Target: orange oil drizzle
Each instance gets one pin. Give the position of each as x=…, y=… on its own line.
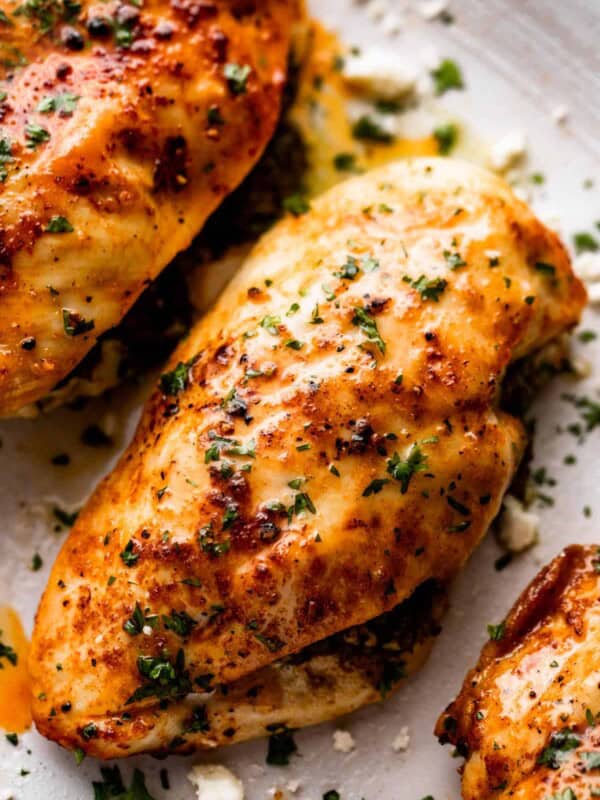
x=15, y=701
x=320, y=112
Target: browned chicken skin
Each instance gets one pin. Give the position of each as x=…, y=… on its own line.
x=325, y=440
x=123, y=126
x=527, y=716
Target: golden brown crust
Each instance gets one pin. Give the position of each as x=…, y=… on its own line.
x=134, y=140
x=525, y=717
x=285, y=466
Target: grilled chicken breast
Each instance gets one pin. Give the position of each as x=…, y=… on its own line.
x=526, y=718
x=328, y=438
x=122, y=127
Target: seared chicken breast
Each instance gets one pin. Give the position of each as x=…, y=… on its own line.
x=527, y=716
x=327, y=439
x=122, y=127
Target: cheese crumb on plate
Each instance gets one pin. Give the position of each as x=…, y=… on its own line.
x=215, y=782
x=518, y=527
x=343, y=741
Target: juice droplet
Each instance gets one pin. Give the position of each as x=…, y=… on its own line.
x=15, y=699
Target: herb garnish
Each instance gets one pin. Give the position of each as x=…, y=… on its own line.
x=64, y=103
x=281, y=747
x=403, y=470
x=58, y=224
x=447, y=76
x=428, y=288
x=171, y=383
x=446, y=137
x=368, y=326
x=75, y=324
x=237, y=77
x=370, y=130
x=35, y=134
x=556, y=751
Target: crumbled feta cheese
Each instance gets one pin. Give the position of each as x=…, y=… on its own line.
x=492, y=254
x=560, y=114
x=343, y=741
x=518, y=528
x=147, y=630
x=293, y=786
x=376, y=9
x=379, y=74
x=582, y=368
x=587, y=267
x=215, y=782
x=432, y=9
x=392, y=24
x=401, y=741
x=508, y=151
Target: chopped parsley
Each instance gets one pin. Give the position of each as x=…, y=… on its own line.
x=402, y=470
x=7, y=652
x=447, y=76
x=171, y=383
x=138, y=620
x=559, y=745
x=179, y=622
x=271, y=324
x=375, y=486
x=368, y=129
x=446, y=137
x=585, y=243
x=164, y=678
x=237, y=76
x=64, y=104
x=66, y=518
x=296, y=204
x=454, y=260
x=281, y=747
x=58, y=224
x=128, y=556
x=429, y=288
x=12, y=738
x=75, y=324
x=545, y=269
x=112, y=787
x=345, y=162
x=363, y=320
x=496, y=632
x=5, y=157
x=89, y=731
x=35, y=134
x=210, y=545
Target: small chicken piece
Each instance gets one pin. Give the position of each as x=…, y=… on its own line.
x=123, y=126
x=325, y=440
x=526, y=718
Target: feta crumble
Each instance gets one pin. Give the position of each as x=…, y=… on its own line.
x=343, y=741
x=508, y=151
x=380, y=75
x=560, y=114
x=215, y=782
x=401, y=741
x=587, y=267
x=432, y=9
x=518, y=527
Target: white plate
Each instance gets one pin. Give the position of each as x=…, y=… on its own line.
x=520, y=60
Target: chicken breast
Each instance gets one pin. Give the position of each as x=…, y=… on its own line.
x=526, y=718
x=326, y=439
x=123, y=127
